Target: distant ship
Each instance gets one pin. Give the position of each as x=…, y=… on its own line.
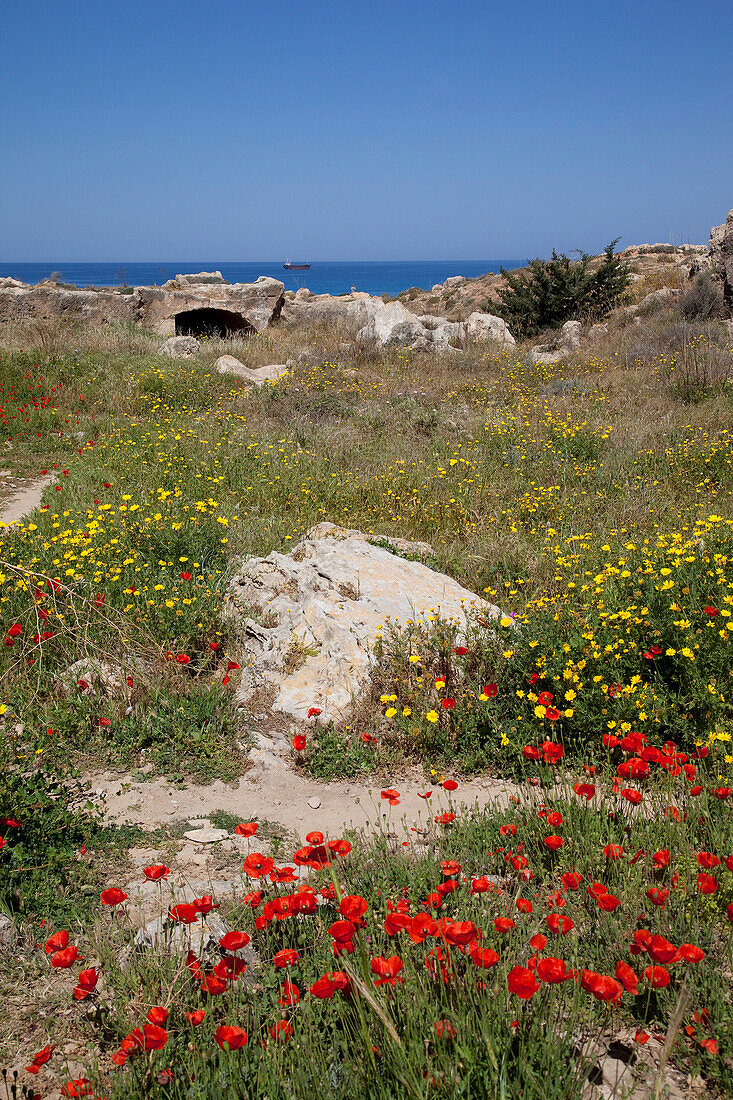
x=290, y=266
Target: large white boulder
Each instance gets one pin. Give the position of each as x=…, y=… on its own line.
x=180, y=347
x=325, y=604
x=256, y=376
x=485, y=326
x=392, y=324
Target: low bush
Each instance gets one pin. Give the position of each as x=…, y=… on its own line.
x=554, y=291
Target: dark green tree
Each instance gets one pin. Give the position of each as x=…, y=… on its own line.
x=557, y=290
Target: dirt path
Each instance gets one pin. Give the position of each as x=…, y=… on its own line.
x=26, y=498
x=295, y=802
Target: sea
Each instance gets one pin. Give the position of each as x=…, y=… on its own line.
x=375, y=277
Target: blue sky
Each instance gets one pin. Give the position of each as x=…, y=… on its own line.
x=240, y=130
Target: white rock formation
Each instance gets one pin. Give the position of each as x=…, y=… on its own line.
x=227, y=364
x=180, y=347
x=485, y=326
x=327, y=600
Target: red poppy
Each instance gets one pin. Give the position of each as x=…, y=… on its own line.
x=342, y=931
x=183, y=659
x=353, y=907
x=601, y=986
x=503, y=924
x=711, y=611
x=552, y=970
x=708, y=861
x=522, y=982
x=608, y=902
x=185, y=576
x=706, y=884
x=485, y=957
x=721, y=793
x=229, y=1037
x=449, y=785
x=559, y=925
x=246, y=828
x=545, y=698
x=56, y=942
x=641, y=1037
x=524, y=905
x=367, y=737
x=585, y=790
x=480, y=885
x=552, y=753
x=256, y=865
x=184, y=913
x=213, y=984
x=447, y=704
x=490, y=691
x=86, y=983
x=334, y=982
x=613, y=851
x=627, y=976
x=196, y=1017
x=554, y=843
x=657, y=976
x=426, y=796
x=313, y=712
x=112, y=896
x=508, y=830
x=660, y=949
x=444, y=1029
x=156, y=871
x=690, y=953
x=571, y=880
x=289, y=994
x=387, y=969
x=65, y=958
x=158, y=1015
x=445, y=819
x=287, y=957
x=552, y=714
x=40, y=1058
x=538, y=942
x=234, y=940
x=632, y=796
x=80, y=1086
x=391, y=795
x=529, y=752
x=299, y=742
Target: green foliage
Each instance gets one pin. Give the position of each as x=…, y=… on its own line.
x=558, y=290
x=46, y=820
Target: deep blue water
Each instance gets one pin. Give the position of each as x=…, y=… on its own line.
x=373, y=277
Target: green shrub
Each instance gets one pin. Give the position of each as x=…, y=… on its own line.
x=558, y=290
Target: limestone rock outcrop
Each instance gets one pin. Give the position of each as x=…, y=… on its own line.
x=388, y=323
x=559, y=349
x=180, y=347
x=721, y=259
x=227, y=364
x=179, y=308
x=324, y=604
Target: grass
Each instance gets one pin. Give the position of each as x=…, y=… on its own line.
x=567, y=879
x=591, y=500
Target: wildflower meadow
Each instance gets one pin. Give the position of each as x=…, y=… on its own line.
x=572, y=938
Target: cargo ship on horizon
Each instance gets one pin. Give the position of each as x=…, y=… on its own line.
x=290, y=266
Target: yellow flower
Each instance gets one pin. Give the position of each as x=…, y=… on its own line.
x=507, y=654
x=505, y=621
x=540, y=711
x=390, y=712
x=413, y=659
x=406, y=712
x=432, y=716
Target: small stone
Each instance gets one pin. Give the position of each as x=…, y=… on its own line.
x=7, y=931
x=206, y=835
x=314, y=802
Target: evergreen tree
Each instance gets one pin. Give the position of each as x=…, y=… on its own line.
x=554, y=291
